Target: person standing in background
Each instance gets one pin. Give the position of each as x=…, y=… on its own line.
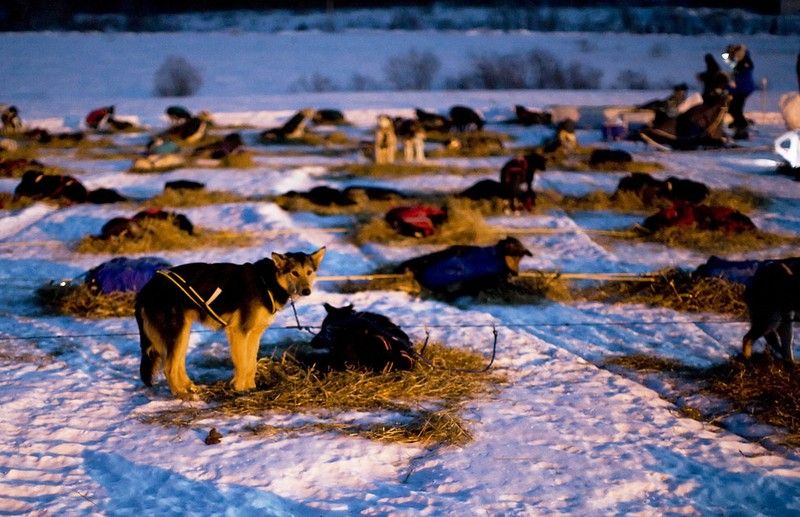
x=741, y=86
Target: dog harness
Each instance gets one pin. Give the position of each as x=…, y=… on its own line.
x=193, y=295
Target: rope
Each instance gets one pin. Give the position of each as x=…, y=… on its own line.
x=509, y=326
x=621, y=277
x=297, y=319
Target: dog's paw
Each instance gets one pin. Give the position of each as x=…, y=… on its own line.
x=239, y=385
x=189, y=392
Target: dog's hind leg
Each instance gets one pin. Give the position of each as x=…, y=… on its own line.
x=774, y=343
x=170, y=337
x=785, y=334
x=150, y=356
x=760, y=325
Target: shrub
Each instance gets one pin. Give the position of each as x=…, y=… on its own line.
x=582, y=77
x=361, y=83
x=586, y=45
x=545, y=69
x=316, y=83
x=631, y=80
x=177, y=77
x=659, y=50
x=535, y=69
x=499, y=72
x=412, y=71
x=405, y=20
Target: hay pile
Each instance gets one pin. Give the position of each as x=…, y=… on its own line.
x=476, y=144
x=463, y=226
x=160, y=235
x=115, y=153
x=530, y=288
x=675, y=289
x=189, y=197
x=739, y=199
x=80, y=301
x=314, y=139
x=20, y=162
x=417, y=406
x=9, y=202
x=363, y=204
x=83, y=144
x=238, y=160
x=579, y=165
x=764, y=388
x=718, y=242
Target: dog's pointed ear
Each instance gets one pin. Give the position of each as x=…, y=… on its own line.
x=279, y=260
x=316, y=257
x=328, y=307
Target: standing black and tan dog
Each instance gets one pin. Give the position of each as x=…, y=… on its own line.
x=773, y=300
x=241, y=298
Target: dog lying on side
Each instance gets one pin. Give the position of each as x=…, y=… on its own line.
x=363, y=339
x=773, y=300
x=241, y=298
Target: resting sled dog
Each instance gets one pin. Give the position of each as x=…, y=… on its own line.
x=241, y=298
x=773, y=302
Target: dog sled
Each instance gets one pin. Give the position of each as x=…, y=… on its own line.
x=698, y=127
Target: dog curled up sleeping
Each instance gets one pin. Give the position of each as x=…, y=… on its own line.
x=241, y=298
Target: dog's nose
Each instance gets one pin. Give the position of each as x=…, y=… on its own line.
x=306, y=291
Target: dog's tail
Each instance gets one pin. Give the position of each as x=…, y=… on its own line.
x=150, y=356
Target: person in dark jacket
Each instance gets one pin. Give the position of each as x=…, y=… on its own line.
x=715, y=80
x=741, y=86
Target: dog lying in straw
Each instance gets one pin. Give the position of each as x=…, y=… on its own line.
x=241, y=298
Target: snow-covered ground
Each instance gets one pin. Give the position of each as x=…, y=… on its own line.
x=564, y=436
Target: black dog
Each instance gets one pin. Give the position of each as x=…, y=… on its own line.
x=609, y=156
x=484, y=189
x=432, y=121
x=463, y=118
x=37, y=185
x=773, y=300
x=528, y=117
x=183, y=185
x=132, y=227
x=363, y=339
x=520, y=171
x=328, y=116
x=674, y=189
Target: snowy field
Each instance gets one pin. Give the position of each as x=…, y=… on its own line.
x=564, y=436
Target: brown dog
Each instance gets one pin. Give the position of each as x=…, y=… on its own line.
x=241, y=298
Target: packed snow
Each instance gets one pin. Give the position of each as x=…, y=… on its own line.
x=564, y=436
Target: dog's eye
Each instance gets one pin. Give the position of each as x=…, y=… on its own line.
x=309, y=272
x=295, y=273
